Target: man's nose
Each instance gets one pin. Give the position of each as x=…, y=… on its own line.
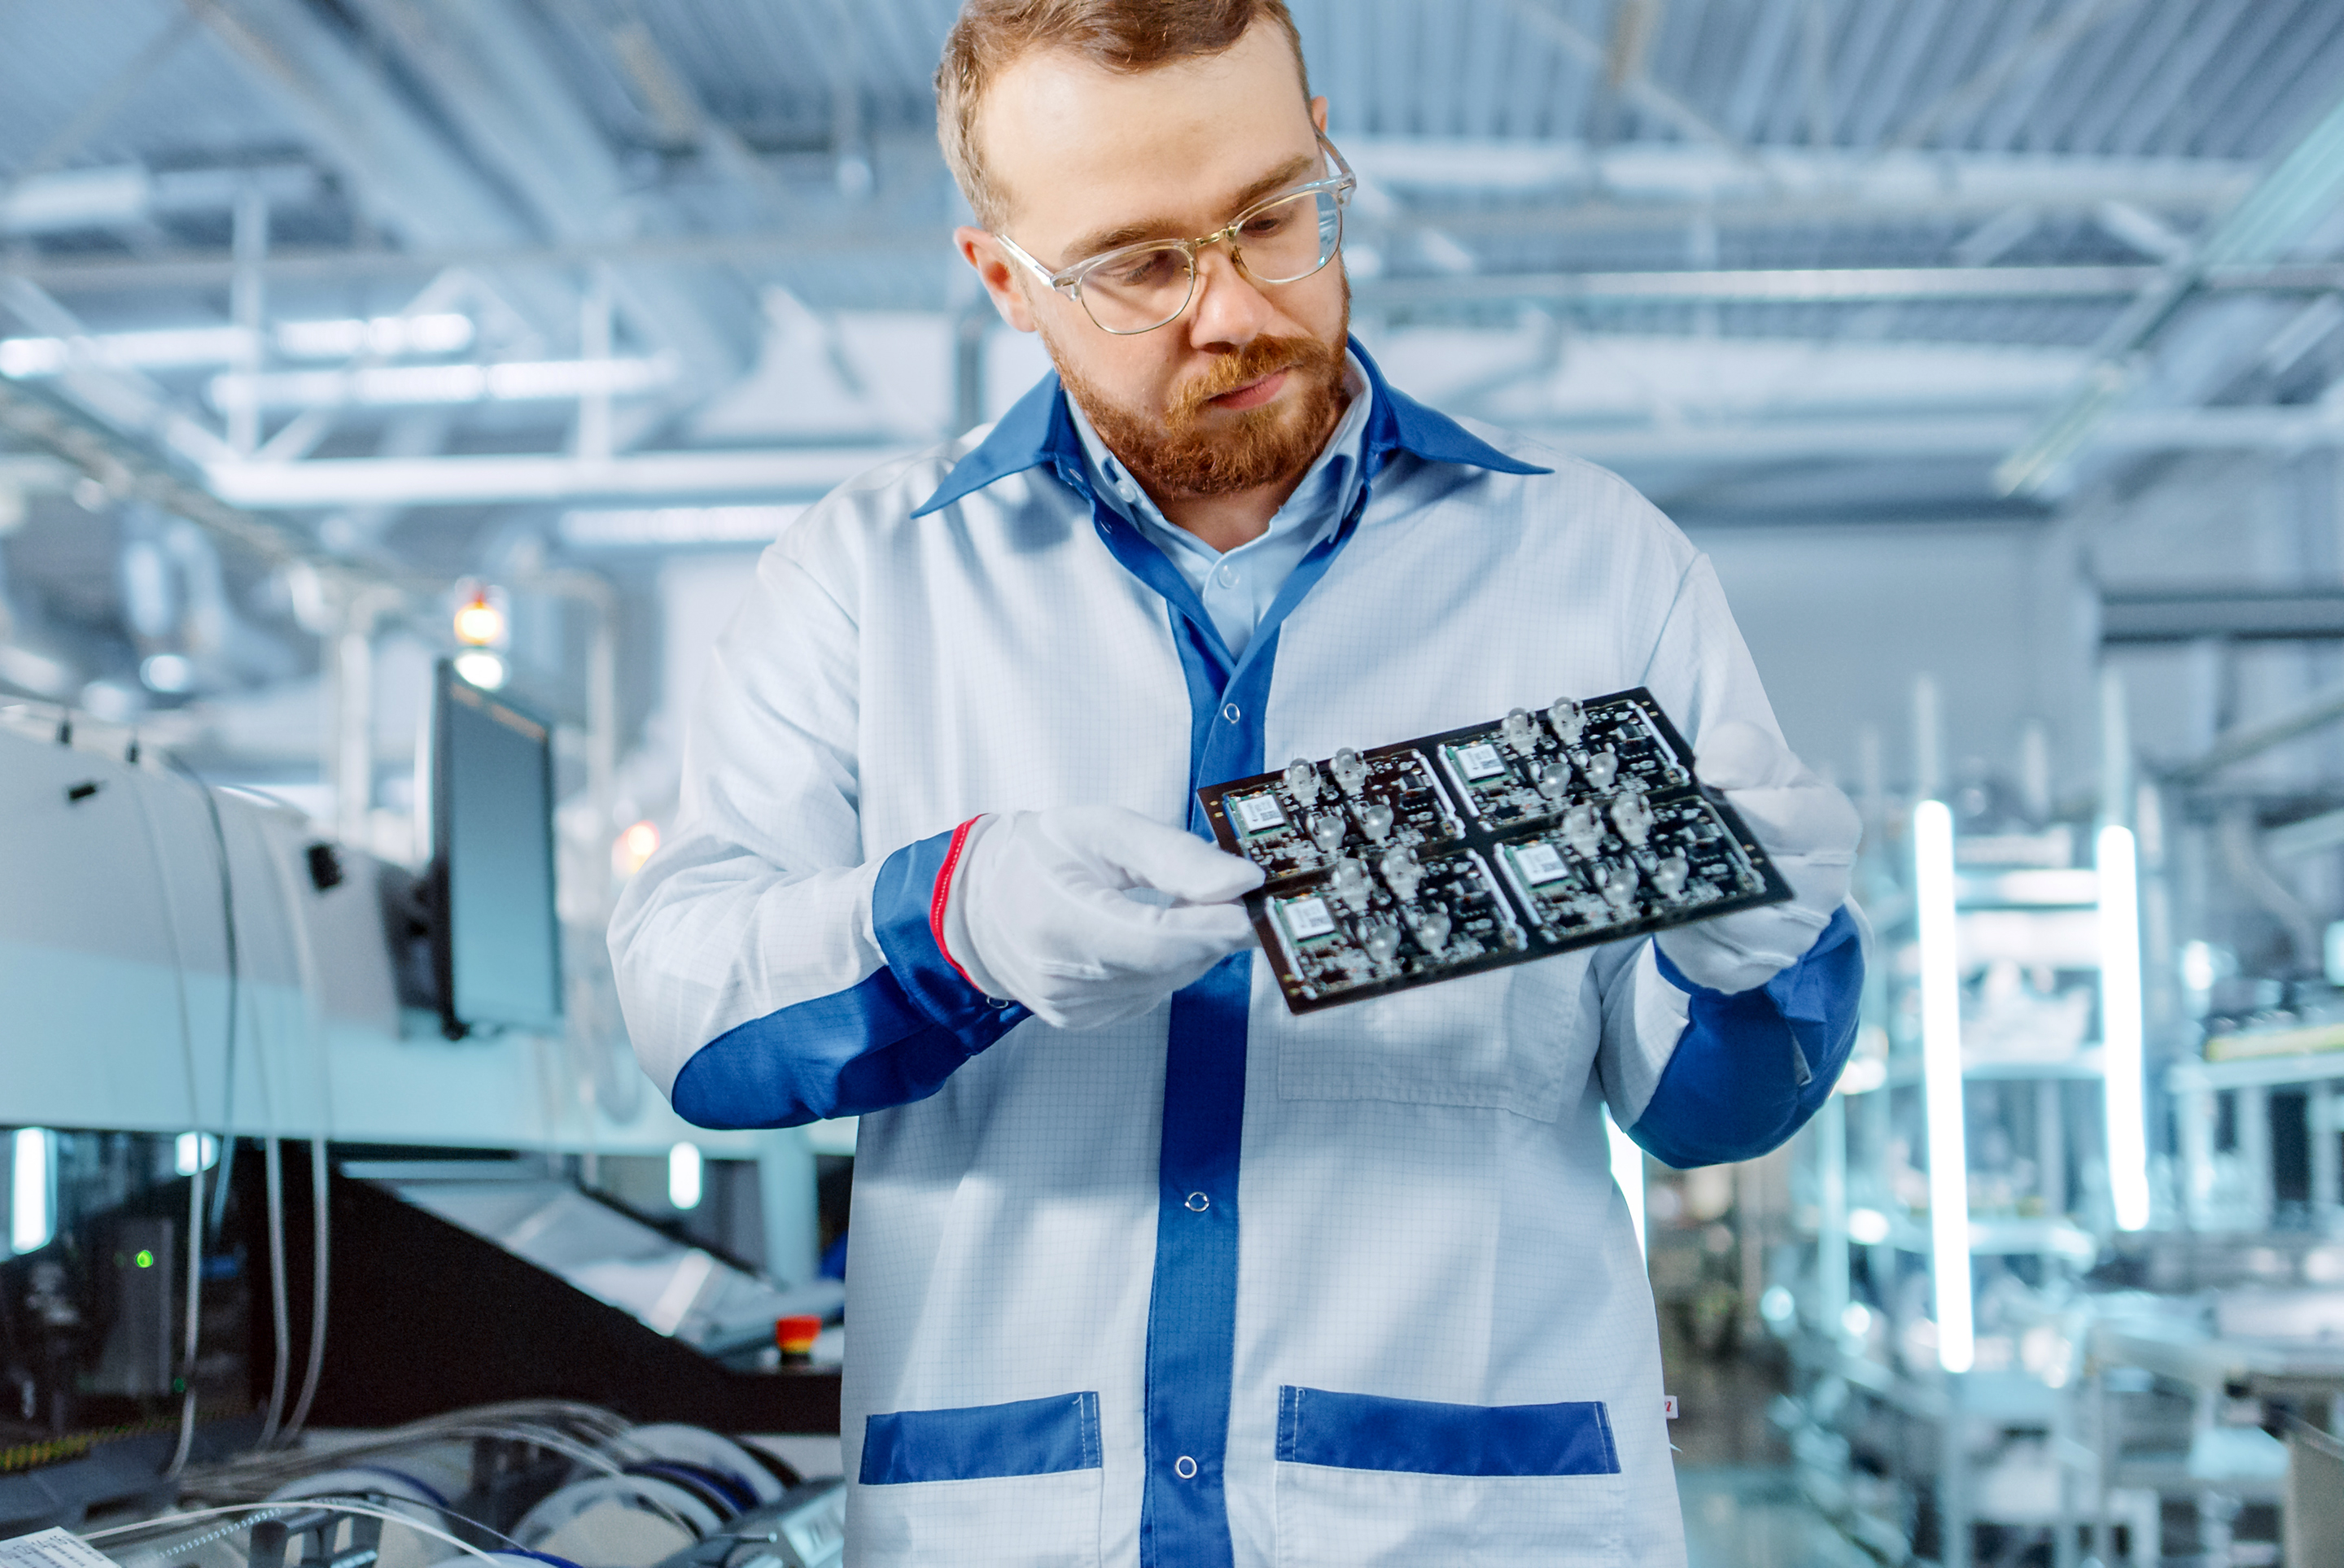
x=1231, y=310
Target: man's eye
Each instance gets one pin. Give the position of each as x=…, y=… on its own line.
x=1156, y=267
x=1274, y=222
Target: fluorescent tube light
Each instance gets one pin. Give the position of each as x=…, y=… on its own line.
x=32, y=1196
x=1941, y=1079
x=759, y=525
x=2120, y=1026
x=387, y=386
x=683, y=1173
x=163, y=348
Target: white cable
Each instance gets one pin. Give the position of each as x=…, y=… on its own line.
x=194, y=1312
x=277, y=1511
x=320, y=1244
x=195, y=1117
x=305, y=959
x=272, y=1160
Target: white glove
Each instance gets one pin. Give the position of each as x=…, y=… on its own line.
x=1039, y=911
x=1812, y=832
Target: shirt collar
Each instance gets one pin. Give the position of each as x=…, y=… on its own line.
x=1039, y=431
x=1322, y=499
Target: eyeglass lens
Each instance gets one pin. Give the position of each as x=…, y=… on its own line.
x=1282, y=243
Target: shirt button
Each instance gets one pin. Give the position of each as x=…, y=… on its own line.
x=1198, y=1202
x=1229, y=712
x=1185, y=1468
x=1228, y=576
x=1127, y=491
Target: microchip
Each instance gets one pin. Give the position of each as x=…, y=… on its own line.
x=1306, y=918
x=1540, y=863
x=1481, y=762
x=1257, y=813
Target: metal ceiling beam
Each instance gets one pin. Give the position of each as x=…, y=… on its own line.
x=785, y=474
x=2038, y=49
x=1549, y=181
x=1828, y=286
x=490, y=73
x=1676, y=173
x=403, y=172
x=2303, y=185
x=126, y=472
x=803, y=473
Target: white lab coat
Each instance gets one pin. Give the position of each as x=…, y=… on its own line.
x=1427, y=1208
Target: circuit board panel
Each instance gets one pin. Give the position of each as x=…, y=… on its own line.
x=1454, y=853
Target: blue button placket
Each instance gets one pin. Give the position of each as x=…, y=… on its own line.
x=1192, y=1304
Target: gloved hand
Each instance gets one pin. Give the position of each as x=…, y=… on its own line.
x=1810, y=830
x=1038, y=912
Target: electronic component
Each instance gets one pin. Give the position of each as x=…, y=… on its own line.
x=1454, y=853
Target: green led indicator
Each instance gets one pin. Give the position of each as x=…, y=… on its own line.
x=145, y=1259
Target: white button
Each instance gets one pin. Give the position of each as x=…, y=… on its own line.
x=1228, y=576
x=1126, y=491
x=1198, y=1202
x=1185, y=1468
x=1229, y=712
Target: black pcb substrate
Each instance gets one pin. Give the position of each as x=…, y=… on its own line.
x=1450, y=854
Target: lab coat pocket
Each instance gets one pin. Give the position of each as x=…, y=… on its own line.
x=1004, y=1484
x=1365, y=1482
x=1506, y=1042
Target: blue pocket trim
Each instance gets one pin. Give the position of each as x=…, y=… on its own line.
x=1363, y=1432
x=982, y=1442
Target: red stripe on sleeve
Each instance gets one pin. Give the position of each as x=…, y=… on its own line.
x=943, y=895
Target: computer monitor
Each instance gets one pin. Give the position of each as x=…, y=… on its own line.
x=496, y=939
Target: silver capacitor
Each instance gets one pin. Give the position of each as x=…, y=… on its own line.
x=1432, y=931
x=1632, y=815
x=1520, y=731
x=1326, y=832
x=1402, y=874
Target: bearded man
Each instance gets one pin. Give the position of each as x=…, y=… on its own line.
x=1146, y=1269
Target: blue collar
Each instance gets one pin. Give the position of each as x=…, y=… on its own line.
x=1038, y=432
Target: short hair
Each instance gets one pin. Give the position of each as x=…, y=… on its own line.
x=1122, y=35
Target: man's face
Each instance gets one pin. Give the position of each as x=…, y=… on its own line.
x=1241, y=390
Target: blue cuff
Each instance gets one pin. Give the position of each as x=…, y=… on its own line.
x=1752, y=1066
x=892, y=1038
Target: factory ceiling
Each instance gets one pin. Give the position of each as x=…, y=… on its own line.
x=396, y=287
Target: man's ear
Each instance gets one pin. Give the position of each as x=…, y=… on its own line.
x=997, y=272
x=1319, y=115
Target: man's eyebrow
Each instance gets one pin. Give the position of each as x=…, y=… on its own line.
x=1294, y=171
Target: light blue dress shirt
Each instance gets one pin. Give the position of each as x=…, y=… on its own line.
x=1238, y=586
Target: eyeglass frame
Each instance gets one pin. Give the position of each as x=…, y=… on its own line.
x=1069, y=280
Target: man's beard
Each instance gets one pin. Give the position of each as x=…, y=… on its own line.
x=1173, y=450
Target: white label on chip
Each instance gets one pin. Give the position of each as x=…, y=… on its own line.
x=1481, y=761
x=1258, y=813
x=1308, y=918
x=52, y=1549
x=1540, y=863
